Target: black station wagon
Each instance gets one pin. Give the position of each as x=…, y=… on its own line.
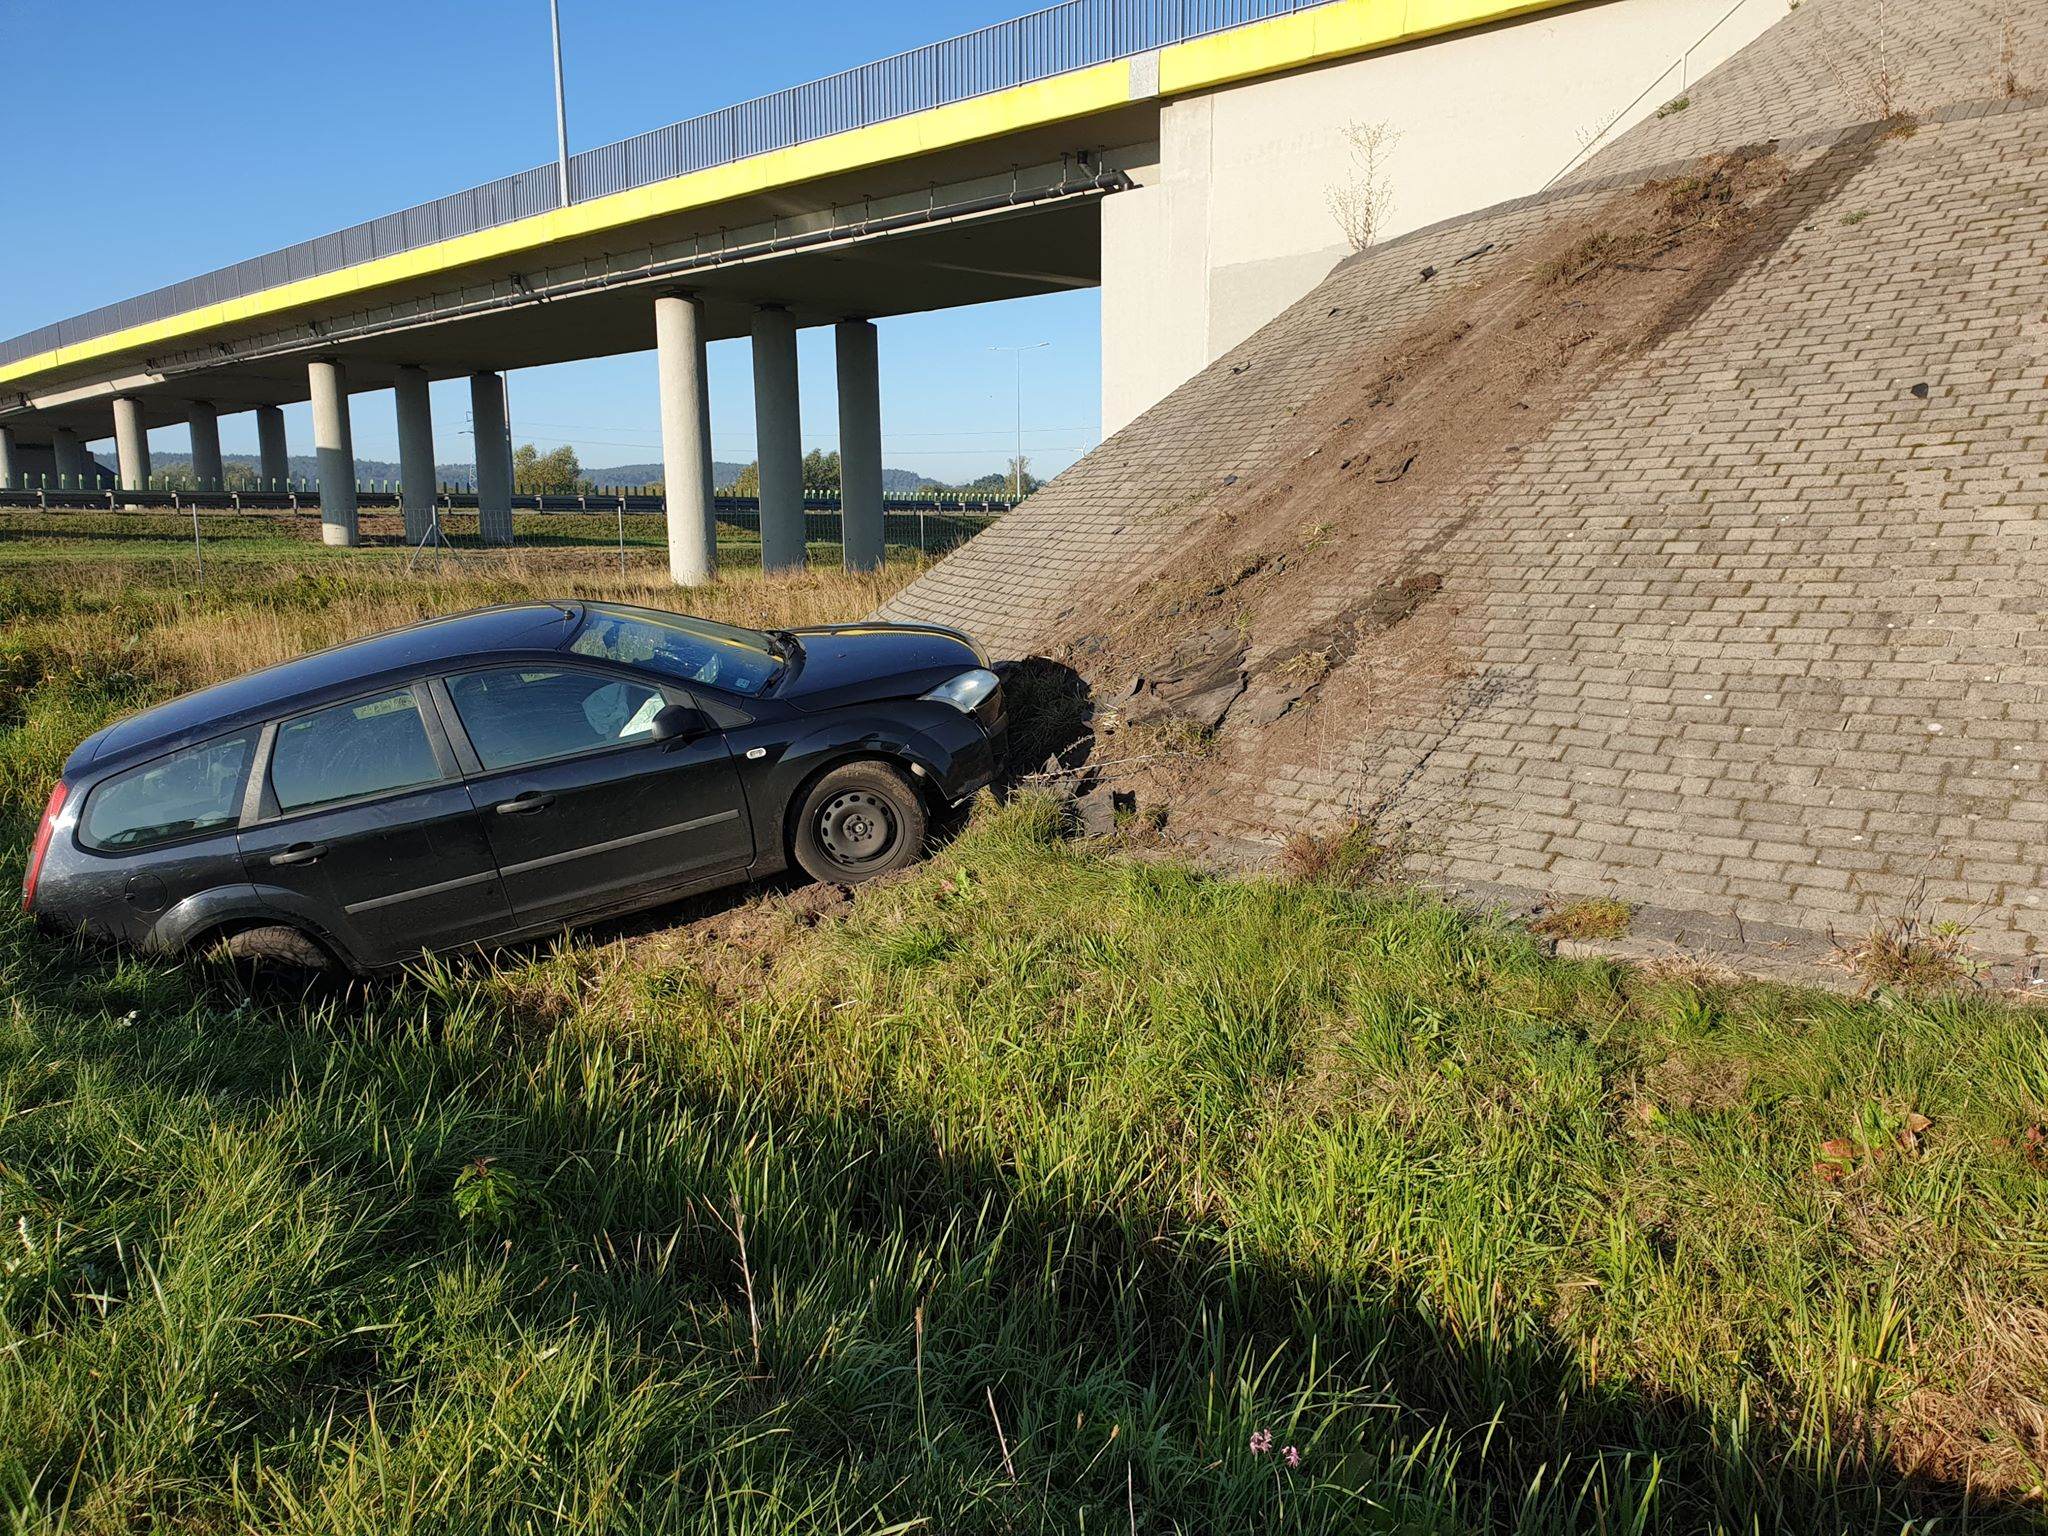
x=499, y=774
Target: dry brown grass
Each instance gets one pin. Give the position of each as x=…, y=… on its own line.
x=211, y=646
x=1991, y=1427
x=1695, y=969
x=1591, y=917
x=1350, y=856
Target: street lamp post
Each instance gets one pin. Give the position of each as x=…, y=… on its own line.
x=1017, y=465
x=561, y=108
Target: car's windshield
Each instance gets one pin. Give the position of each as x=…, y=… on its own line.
x=689, y=650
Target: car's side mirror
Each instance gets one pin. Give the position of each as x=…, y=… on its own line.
x=679, y=722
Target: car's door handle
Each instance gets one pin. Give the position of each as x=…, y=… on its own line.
x=522, y=805
x=300, y=853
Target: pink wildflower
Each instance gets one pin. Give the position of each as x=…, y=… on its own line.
x=1262, y=1441
x=1292, y=1457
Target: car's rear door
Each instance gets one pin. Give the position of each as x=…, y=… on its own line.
x=365, y=819
x=585, y=809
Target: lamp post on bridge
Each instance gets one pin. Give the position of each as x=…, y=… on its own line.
x=561, y=108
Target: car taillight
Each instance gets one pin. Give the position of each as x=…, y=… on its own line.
x=42, y=844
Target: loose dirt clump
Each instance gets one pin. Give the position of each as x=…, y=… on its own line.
x=1313, y=598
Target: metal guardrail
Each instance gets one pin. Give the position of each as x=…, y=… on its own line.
x=1065, y=37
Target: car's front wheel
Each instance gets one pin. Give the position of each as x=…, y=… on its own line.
x=857, y=822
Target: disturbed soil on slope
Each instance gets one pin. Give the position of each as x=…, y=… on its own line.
x=1310, y=605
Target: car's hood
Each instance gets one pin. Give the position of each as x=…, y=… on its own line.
x=853, y=663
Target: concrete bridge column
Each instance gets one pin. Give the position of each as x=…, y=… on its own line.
x=334, y=446
x=274, y=460
x=685, y=439
x=415, y=454
x=493, y=457
x=778, y=440
x=131, y=443
x=204, y=424
x=10, y=461
x=69, y=453
x=860, y=445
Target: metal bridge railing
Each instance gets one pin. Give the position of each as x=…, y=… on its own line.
x=1064, y=37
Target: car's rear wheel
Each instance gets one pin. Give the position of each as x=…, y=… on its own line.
x=275, y=956
x=857, y=822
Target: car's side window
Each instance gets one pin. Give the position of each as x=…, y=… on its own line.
x=518, y=715
x=676, y=651
x=364, y=747
x=191, y=791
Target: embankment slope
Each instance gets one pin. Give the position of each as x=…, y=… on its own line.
x=1671, y=534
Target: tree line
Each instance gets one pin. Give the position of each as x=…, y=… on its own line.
x=559, y=473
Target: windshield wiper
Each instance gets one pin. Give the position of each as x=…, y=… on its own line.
x=787, y=646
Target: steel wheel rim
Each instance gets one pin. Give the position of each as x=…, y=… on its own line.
x=857, y=828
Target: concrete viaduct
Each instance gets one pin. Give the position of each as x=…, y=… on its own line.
x=1205, y=162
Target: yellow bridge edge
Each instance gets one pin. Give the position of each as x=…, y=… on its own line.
x=1269, y=47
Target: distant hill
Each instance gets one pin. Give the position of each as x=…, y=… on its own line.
x=305, y=467
x=722, y=473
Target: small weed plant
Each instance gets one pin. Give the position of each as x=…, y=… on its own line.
x=1912, y=954
x=490, y=1198
x=1348, y=858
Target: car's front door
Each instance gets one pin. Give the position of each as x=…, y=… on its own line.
x=586, y=809
x=364, y=820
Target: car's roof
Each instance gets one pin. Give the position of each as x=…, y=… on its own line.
x=513, y=627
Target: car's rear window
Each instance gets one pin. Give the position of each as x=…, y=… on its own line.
x=191, y=791
x=737, y=660
x=365, y=747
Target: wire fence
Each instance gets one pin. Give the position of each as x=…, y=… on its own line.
x=620, y=523
x=61, y=492
x=1065, y=37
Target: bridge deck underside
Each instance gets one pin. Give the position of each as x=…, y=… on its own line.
x=832, y=254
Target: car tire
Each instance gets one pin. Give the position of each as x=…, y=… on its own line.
x=857, y=822
x=276, y=951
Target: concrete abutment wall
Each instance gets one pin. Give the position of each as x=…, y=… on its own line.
x=1243, y=204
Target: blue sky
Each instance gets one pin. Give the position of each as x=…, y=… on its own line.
x=269, y=122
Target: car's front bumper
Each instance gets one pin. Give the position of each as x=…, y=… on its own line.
x=972, y=764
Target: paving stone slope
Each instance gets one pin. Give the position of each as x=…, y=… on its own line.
x=1835, y=62
x=1754, y=630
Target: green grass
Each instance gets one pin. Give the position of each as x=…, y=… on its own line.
x=1018, y=1199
